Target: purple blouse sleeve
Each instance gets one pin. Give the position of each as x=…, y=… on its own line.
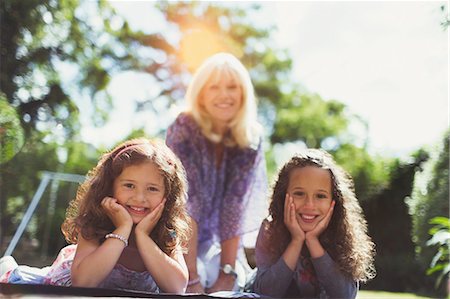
x=245, y=204
x=179, y=139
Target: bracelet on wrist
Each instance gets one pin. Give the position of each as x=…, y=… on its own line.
x=119, y=237
x=194, y=281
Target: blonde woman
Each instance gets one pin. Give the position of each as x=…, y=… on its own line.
x=218, y=140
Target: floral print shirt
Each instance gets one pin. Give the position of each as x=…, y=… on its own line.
x=228, y=200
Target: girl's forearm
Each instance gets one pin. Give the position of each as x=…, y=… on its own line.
x=92, y=269
x=292, y=253
x=169, y=274
x=97, y=266
x=315, y=248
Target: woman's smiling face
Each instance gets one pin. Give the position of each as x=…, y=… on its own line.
x=310, y=187
x=221, y=97
x=139, y=188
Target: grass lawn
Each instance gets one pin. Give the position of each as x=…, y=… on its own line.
x=386, y=295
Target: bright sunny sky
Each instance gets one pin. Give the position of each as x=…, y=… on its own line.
x=388, y=61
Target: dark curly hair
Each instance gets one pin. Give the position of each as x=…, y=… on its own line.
x=85, y=215
x=345, y=239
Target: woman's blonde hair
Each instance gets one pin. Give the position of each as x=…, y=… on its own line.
x=244, y=128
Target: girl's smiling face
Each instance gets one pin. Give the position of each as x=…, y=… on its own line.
x=310, y=187
x=139, y=188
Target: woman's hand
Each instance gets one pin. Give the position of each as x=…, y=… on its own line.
x=116, y=212
x=224, y=282
x=291, y=220
x=322, y=225
x=196, y=288
x=148, y=223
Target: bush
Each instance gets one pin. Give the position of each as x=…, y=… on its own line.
x=430, y=199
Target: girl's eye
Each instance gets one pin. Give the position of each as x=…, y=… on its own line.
x=321, y=196
x=299, y=193
x=232, y=87
x=213, y=87
x=153, y=189
x=129, y=185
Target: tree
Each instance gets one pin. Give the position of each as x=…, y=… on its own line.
x=11, y=133
x=43, y=41
x=39, y=42
x=430, y=199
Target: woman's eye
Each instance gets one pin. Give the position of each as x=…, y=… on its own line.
x=299, y=193
x=153, y=189
x=213, y=87
x=321, y=196
x=232, y=87
x=129, y=185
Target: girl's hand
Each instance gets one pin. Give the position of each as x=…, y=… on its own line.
x=322, y=225
x=223, y=283
x=148, y=223
x=291, y=220
x=116, y=212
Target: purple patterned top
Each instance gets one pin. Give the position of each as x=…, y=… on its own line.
x=226, y=201
x=120, y=277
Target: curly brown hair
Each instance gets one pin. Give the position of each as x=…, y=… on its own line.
x=86, y=216
x=345, y=239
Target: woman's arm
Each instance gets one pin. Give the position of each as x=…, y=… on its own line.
x=228, y=254
x=183, y=137
x=244, y=204
x=191, y=260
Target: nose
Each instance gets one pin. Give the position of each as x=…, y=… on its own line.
x=223, y=92
x=309, y=202
x=140, y=196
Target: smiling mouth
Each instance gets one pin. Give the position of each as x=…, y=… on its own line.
x=308, y=218
x=137, y=210
x=224, y=105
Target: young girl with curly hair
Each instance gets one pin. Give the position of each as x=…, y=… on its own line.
x=315, y=242
x=127, y=224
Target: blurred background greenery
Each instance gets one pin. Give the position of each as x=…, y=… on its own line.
x=40, y=124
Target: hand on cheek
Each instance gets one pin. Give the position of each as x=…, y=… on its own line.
x=322, y=224
x=116, y=212
x=148, y=223
x=291, y=220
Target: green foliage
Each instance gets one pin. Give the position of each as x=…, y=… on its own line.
x=390, y=225
x=441, y=237
x=41, y=41
x=11, y=133
x=430, y=199
x=371, y=175
x=308, y=118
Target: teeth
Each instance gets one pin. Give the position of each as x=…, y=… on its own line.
x=308, y=217
x=137, y=209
